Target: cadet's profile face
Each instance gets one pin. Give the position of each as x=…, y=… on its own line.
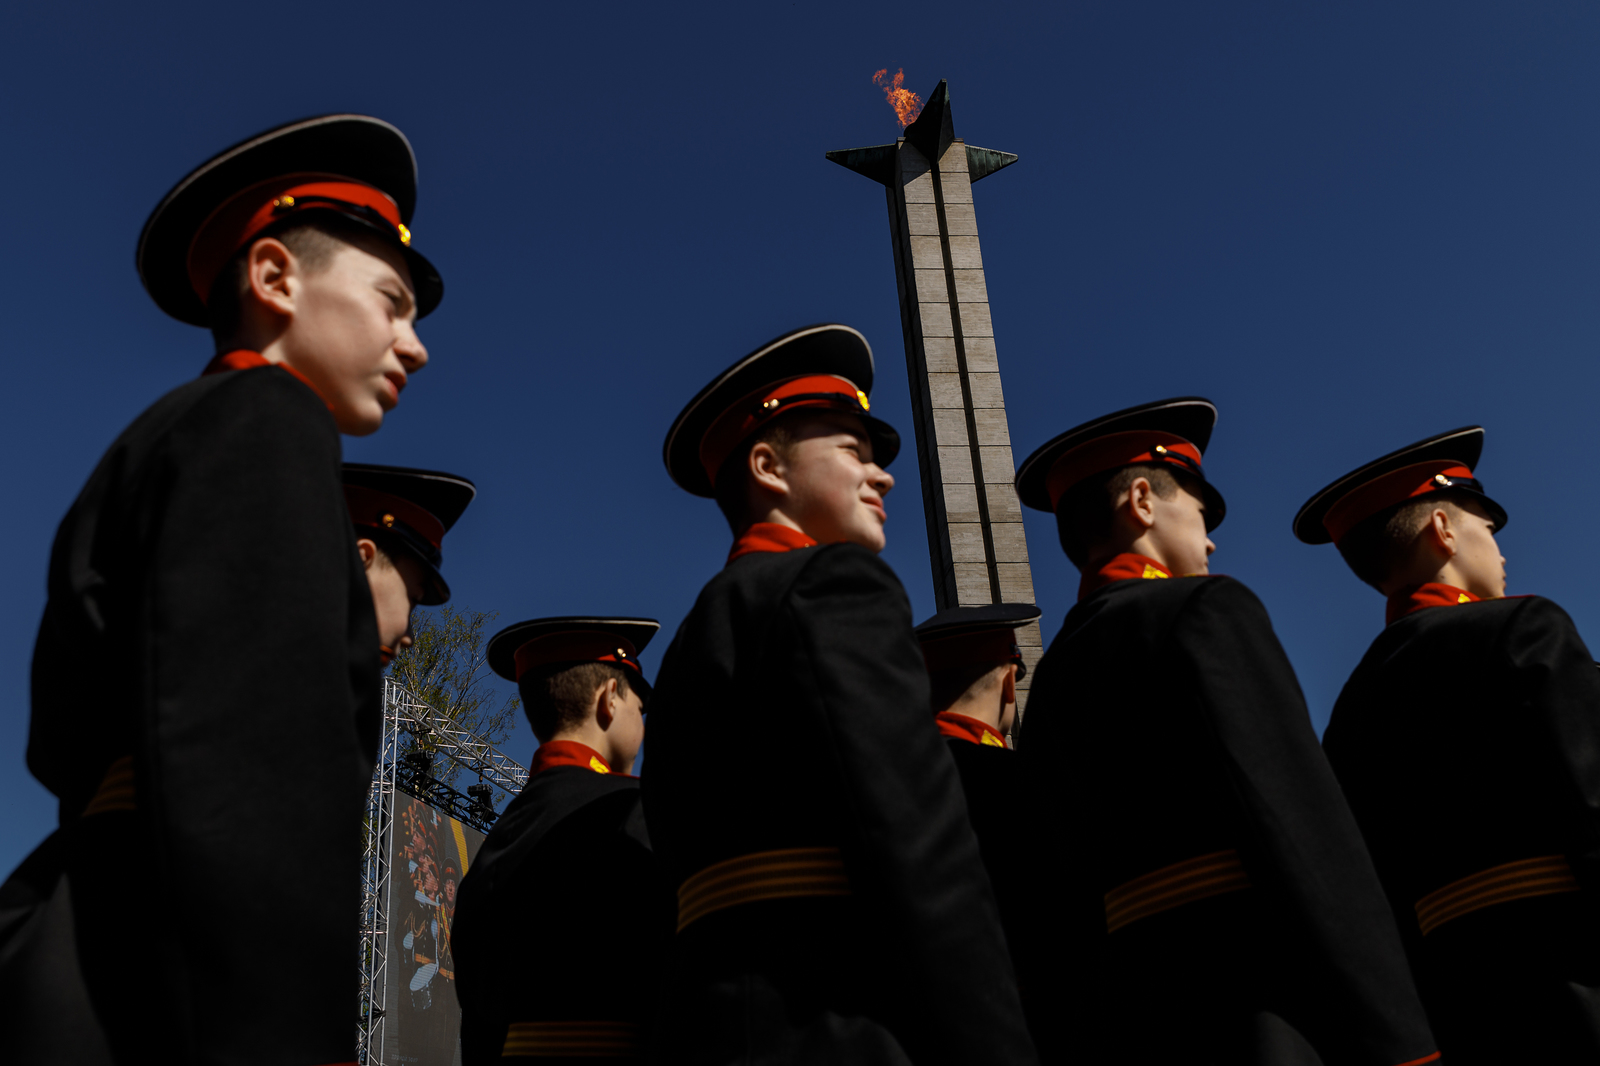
x=626, y=732
x=1479, y=566
x=397, y=585
x=352, y=332
x=1179, y=533
x=835, y=490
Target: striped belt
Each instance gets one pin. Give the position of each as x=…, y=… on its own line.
x=116, y=789
x=1548, y=875
x=760, y=876
x=580, y=1040
x=1173, y=886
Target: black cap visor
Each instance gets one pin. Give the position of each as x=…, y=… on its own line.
x=827, y=348
x=1462, y=447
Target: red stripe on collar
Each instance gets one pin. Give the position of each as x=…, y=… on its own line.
x=962, y=727
x=568, y=753
x=769, y=537
x=244, y=359
x=1431, y=594
x=1128, y=566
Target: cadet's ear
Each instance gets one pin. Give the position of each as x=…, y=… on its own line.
x=1141, y=503
x=269, y=266
x=1008, y=690
x=1440, y=534
x=368, y=551
x=605, y=698
x=766, y=466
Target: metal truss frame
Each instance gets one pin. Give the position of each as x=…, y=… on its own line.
x=403, y=714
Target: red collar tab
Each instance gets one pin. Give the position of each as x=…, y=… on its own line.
x=1432, y=594
x=1117, y=450
x=757, y=409
x=769, y=537
x=381, y=510
x=989, y=647
x=961, y=727
x=1128, y=566
x=243, y=217
x=576, y=646
x=1408, y=482
x=244, y=359
x=568, y=753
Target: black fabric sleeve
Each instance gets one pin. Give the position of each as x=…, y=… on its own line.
x=1557, y=693
x=910, y=852
x=261, y=674
x=1307, y=856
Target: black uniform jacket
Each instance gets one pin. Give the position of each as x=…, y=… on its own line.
x=1217, y=902
x=998, y=807
x=791, y=712
x=1468, y=740
x=563, y=923
x=208, y=620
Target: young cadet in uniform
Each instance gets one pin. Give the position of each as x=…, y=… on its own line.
x=974, y=665
x=564, y=919
x=1466, y=742
x=206, y=699
x=401, y=516
x=832, y=904
x=1212, y=878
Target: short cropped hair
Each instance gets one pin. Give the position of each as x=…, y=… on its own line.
x=1085, y=515
x=560, y=697
x=948, y=686
x=387, y=546
x=1376, y=545
x=313, y=239
x=732, y=486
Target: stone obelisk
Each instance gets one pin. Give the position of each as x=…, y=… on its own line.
x=975, y=536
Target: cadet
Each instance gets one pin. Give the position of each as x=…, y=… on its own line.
x=564, y=919
x=832, y=905
x=206, y=700
x=1465, y=742
x=1208, y=865
x=974, y=665
x=401, y=516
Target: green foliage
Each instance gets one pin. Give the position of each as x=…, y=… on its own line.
x=445, y=667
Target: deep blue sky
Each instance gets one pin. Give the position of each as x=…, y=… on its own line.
x=1350, y=227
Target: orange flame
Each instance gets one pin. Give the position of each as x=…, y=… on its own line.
x=907, y=104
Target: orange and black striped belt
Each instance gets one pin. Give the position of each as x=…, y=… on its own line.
x=581, y=1040
x=1547, y=875
x=1172, y=886
x=116, y=789
x=762, y=875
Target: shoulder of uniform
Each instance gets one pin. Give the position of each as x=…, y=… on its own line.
x=263, y=385
x=257, y=396
x=1223, y=587
x=848, y=557
x=850, y=560
x=846, y=571
x=1215, y=597
x=1529, y=612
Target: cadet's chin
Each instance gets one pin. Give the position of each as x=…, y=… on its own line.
x=873, y=539
x=359, y=422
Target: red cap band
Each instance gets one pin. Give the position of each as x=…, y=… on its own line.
x=759, y=408
x=369, y=507
x=1419, y=479
x=1113, y=451
x=576, y=647
x=237, y=222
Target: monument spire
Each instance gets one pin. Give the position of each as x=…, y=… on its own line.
x=976, y=542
